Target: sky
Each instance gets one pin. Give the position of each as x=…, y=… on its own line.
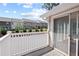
x=22, y=10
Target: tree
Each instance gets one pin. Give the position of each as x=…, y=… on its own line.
x=49, y=6
x=19, y=26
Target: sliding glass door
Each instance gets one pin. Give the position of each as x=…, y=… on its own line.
x=66, y=34
x=61, y=31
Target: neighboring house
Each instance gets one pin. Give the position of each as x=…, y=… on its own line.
x=5, y=23
x=10, y=23
x=63, y=28
x=33, y=24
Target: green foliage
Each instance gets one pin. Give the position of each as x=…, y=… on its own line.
x=41, y=29
x=30, y=30
x=0, y=29
x=24, y=29
x=38, y=27
x=20, y=31
x=36, y=30
x=49, y=6
x=33, y=30
x=16, y=30
x=19, y=26
x=3, y=31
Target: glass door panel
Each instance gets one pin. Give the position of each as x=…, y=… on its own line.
x=78, y=32
x=60, y=33
x=73, y=27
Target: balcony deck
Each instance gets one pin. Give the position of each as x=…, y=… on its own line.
x=26, y=44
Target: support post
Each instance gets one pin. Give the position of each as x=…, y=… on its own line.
x=50, y=31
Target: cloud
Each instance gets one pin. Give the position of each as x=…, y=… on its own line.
x=34, y=14
x=19, y=4
x=4, y=4
x=14, y=12
x=6, y=11
x=27, y=5
x=38, y=12
x=23, y=14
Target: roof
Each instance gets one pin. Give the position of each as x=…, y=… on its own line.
x=8, y=19
x=60, y=8
x=19, y=20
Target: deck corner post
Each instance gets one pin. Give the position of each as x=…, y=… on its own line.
x=50, y=31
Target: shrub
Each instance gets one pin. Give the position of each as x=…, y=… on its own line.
x=41, y=29
x=30, y=30
x=24, y=30
x=38, y=27
x=13, y=30
x=36, y=30
x=33, y=30
x=20, y=31
x=45, y=29
x=3, y=32
x=33, y=27
x=17, y=31
x=27, y=30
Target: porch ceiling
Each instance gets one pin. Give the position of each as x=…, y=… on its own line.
x=60, y=8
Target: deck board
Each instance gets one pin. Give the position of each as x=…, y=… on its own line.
x=39, y=52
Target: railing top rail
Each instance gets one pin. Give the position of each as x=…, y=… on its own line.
x=30, y=33
x=4, y=37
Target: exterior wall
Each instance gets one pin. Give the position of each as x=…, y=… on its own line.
x=18, y=44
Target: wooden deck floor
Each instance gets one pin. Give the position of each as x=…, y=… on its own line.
x=47, y=51
x=39, y=52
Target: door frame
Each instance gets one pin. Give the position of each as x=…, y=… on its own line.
x=77, y=21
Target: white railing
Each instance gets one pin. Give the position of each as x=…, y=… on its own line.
x=22, y=43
